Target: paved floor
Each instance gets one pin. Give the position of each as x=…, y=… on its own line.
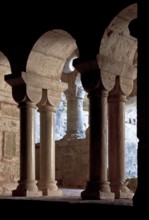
x=70, y=195
x=69, y=206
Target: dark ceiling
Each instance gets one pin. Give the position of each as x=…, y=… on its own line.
x=24, y=24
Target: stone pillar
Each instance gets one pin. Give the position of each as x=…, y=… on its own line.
x=116, y=119
x=75, y=113
x=97, y=186
x=27, y=184
x=27, y=98
x=75, y=95
x=29, y=89
x=47, y=183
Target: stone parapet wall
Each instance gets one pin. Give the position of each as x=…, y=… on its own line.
x=72, y=162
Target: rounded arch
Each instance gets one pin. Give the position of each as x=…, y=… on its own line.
x=50, y=52
x=5, y=69
x=118, y=48
x=4, y=64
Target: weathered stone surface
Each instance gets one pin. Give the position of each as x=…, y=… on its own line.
x=52, y=50
x=72, y=162
x=9, y=144
x=9, y=139
x=9, y=110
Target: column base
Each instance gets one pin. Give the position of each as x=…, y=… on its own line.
x=124, y=195
x=97, y=191
x=26, y=193
x=49, y=188
x=123, y=192
x=48, y=192
x=88, y=195
x=27, y=189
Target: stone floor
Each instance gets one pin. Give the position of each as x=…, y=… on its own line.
x=69, y=205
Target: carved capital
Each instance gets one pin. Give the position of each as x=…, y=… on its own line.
x=32, y=85
x=90, y=73
x=24, y=86
x=108, y=80
x=126, y=85
x=53, y=87
x=123, y=86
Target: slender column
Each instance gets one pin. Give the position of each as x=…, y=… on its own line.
x=47, y=183
x=75, y=98
x=75, y=95
x=26, y=92
x=97, y=186
x=79, y=113
x=116, y=132
x=27, y=184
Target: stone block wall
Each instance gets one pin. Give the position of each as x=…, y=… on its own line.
x=9, y=140
x=72, y=162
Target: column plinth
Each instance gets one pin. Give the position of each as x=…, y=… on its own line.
x=97, y=190
x=27, y=189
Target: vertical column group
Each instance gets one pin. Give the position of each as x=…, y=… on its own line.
x=116, y=142
x=29, y=96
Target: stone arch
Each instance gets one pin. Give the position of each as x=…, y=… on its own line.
x=52, y=56
x=45, y=65
x=4, y=64
x=5, y=69
x=118, y=64
x=108, y=75
x=118, y=48
x=52, y=49
x=40, y=86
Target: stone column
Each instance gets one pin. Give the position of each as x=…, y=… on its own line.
x=75, y=95
x=27, y=89
x=116, y=119
x=27, y=184
x=26, y=97
x=47, y=183
x=75, y=113
x=97, y=186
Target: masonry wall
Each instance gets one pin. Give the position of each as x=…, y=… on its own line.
x=9, y=139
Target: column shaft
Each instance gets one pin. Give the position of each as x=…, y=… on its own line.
x=27, y=184
x=117, y=146
x=97, y=186
x=75, y=97
x=47, y=181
